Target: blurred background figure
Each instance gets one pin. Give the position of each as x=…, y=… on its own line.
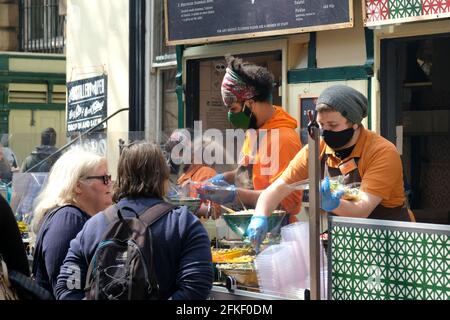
x=47, y=148
x=9, y=154
x=189, y=169
x=5, y=168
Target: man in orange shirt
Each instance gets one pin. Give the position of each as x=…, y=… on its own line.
x=347, y=149
x=247, y=93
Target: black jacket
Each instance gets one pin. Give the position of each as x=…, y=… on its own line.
x=37, y=156
x=11, y=246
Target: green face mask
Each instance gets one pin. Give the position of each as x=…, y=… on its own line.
x=242, y=120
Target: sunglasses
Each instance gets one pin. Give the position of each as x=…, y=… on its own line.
x=106, y=178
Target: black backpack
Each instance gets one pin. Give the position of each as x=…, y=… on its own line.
x=122, y=267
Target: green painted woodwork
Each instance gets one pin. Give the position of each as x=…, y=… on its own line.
x=327, y=74
x=312, y=48
x=388, y=260
x=179, y=88
x=4, y=121
x=32, y=77
x=4, y=62
x=32, y=56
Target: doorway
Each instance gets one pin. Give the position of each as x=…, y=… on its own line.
x=415, y=115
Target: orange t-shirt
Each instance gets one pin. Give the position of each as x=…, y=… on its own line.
x=275, y=151
x=379, y=166
x=197, y=173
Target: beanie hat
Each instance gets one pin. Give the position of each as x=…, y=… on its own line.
x=351, y=103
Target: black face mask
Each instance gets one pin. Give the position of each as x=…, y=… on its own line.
x=337, y=139
x=252, y=124
x=174, y=168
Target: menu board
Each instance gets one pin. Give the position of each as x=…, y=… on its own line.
x=201, y=21
x=86, y=104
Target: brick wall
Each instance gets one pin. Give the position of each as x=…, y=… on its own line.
x=9, y=25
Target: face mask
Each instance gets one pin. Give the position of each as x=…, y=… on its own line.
x=174, y=168
x=337, y=139
x=242, y=120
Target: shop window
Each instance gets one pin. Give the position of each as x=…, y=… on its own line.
x=41, y=26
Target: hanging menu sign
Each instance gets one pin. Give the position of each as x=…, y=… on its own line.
x=201, y=21
x=86, y=106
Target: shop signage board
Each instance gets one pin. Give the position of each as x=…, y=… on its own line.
x=202, y=21
x=86, y=103
x=388, y=260
x=306, y=103
x=381, y=12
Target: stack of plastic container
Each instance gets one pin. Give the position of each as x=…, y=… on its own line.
x=284, y=269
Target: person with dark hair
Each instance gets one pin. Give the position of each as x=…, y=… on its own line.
x=347, y=149
x=247, y=93
x=47, y=148
x=12, y=248
x=181, y=247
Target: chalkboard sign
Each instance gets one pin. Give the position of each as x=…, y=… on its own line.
x=200, y=21
x=86, y=105
x=306, y=104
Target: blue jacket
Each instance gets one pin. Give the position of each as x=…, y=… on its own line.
x=181, y=249
x=56, y=236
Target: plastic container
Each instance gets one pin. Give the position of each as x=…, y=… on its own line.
x=277, y=269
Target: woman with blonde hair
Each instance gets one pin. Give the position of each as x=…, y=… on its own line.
x=78, y=187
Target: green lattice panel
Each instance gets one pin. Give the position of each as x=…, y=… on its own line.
x=388, y=264
x=405, y=8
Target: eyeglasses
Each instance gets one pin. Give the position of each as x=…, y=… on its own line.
x=106, y=178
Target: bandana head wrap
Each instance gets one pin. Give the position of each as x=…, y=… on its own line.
x=234, y=88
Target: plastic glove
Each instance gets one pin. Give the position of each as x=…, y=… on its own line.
x=256, y=231
x=219, y=194
x=330, y=200
x=219, y=180
x=172, y=194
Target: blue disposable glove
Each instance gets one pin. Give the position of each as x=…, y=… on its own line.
x=256, y=231
x=330, y=200
x=216, y=193
x=218, y=179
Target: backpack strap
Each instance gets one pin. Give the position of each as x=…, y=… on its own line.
x=111, y=213
x=149, y=216
x=46, y=220
x=154, y=213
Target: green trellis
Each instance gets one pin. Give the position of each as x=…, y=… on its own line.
x=388, y=260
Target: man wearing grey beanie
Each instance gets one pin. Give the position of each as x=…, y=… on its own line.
x=352, y=152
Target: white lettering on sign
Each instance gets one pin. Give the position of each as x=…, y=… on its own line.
x=87, y=90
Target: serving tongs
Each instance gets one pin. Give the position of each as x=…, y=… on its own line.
x=227, y=209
